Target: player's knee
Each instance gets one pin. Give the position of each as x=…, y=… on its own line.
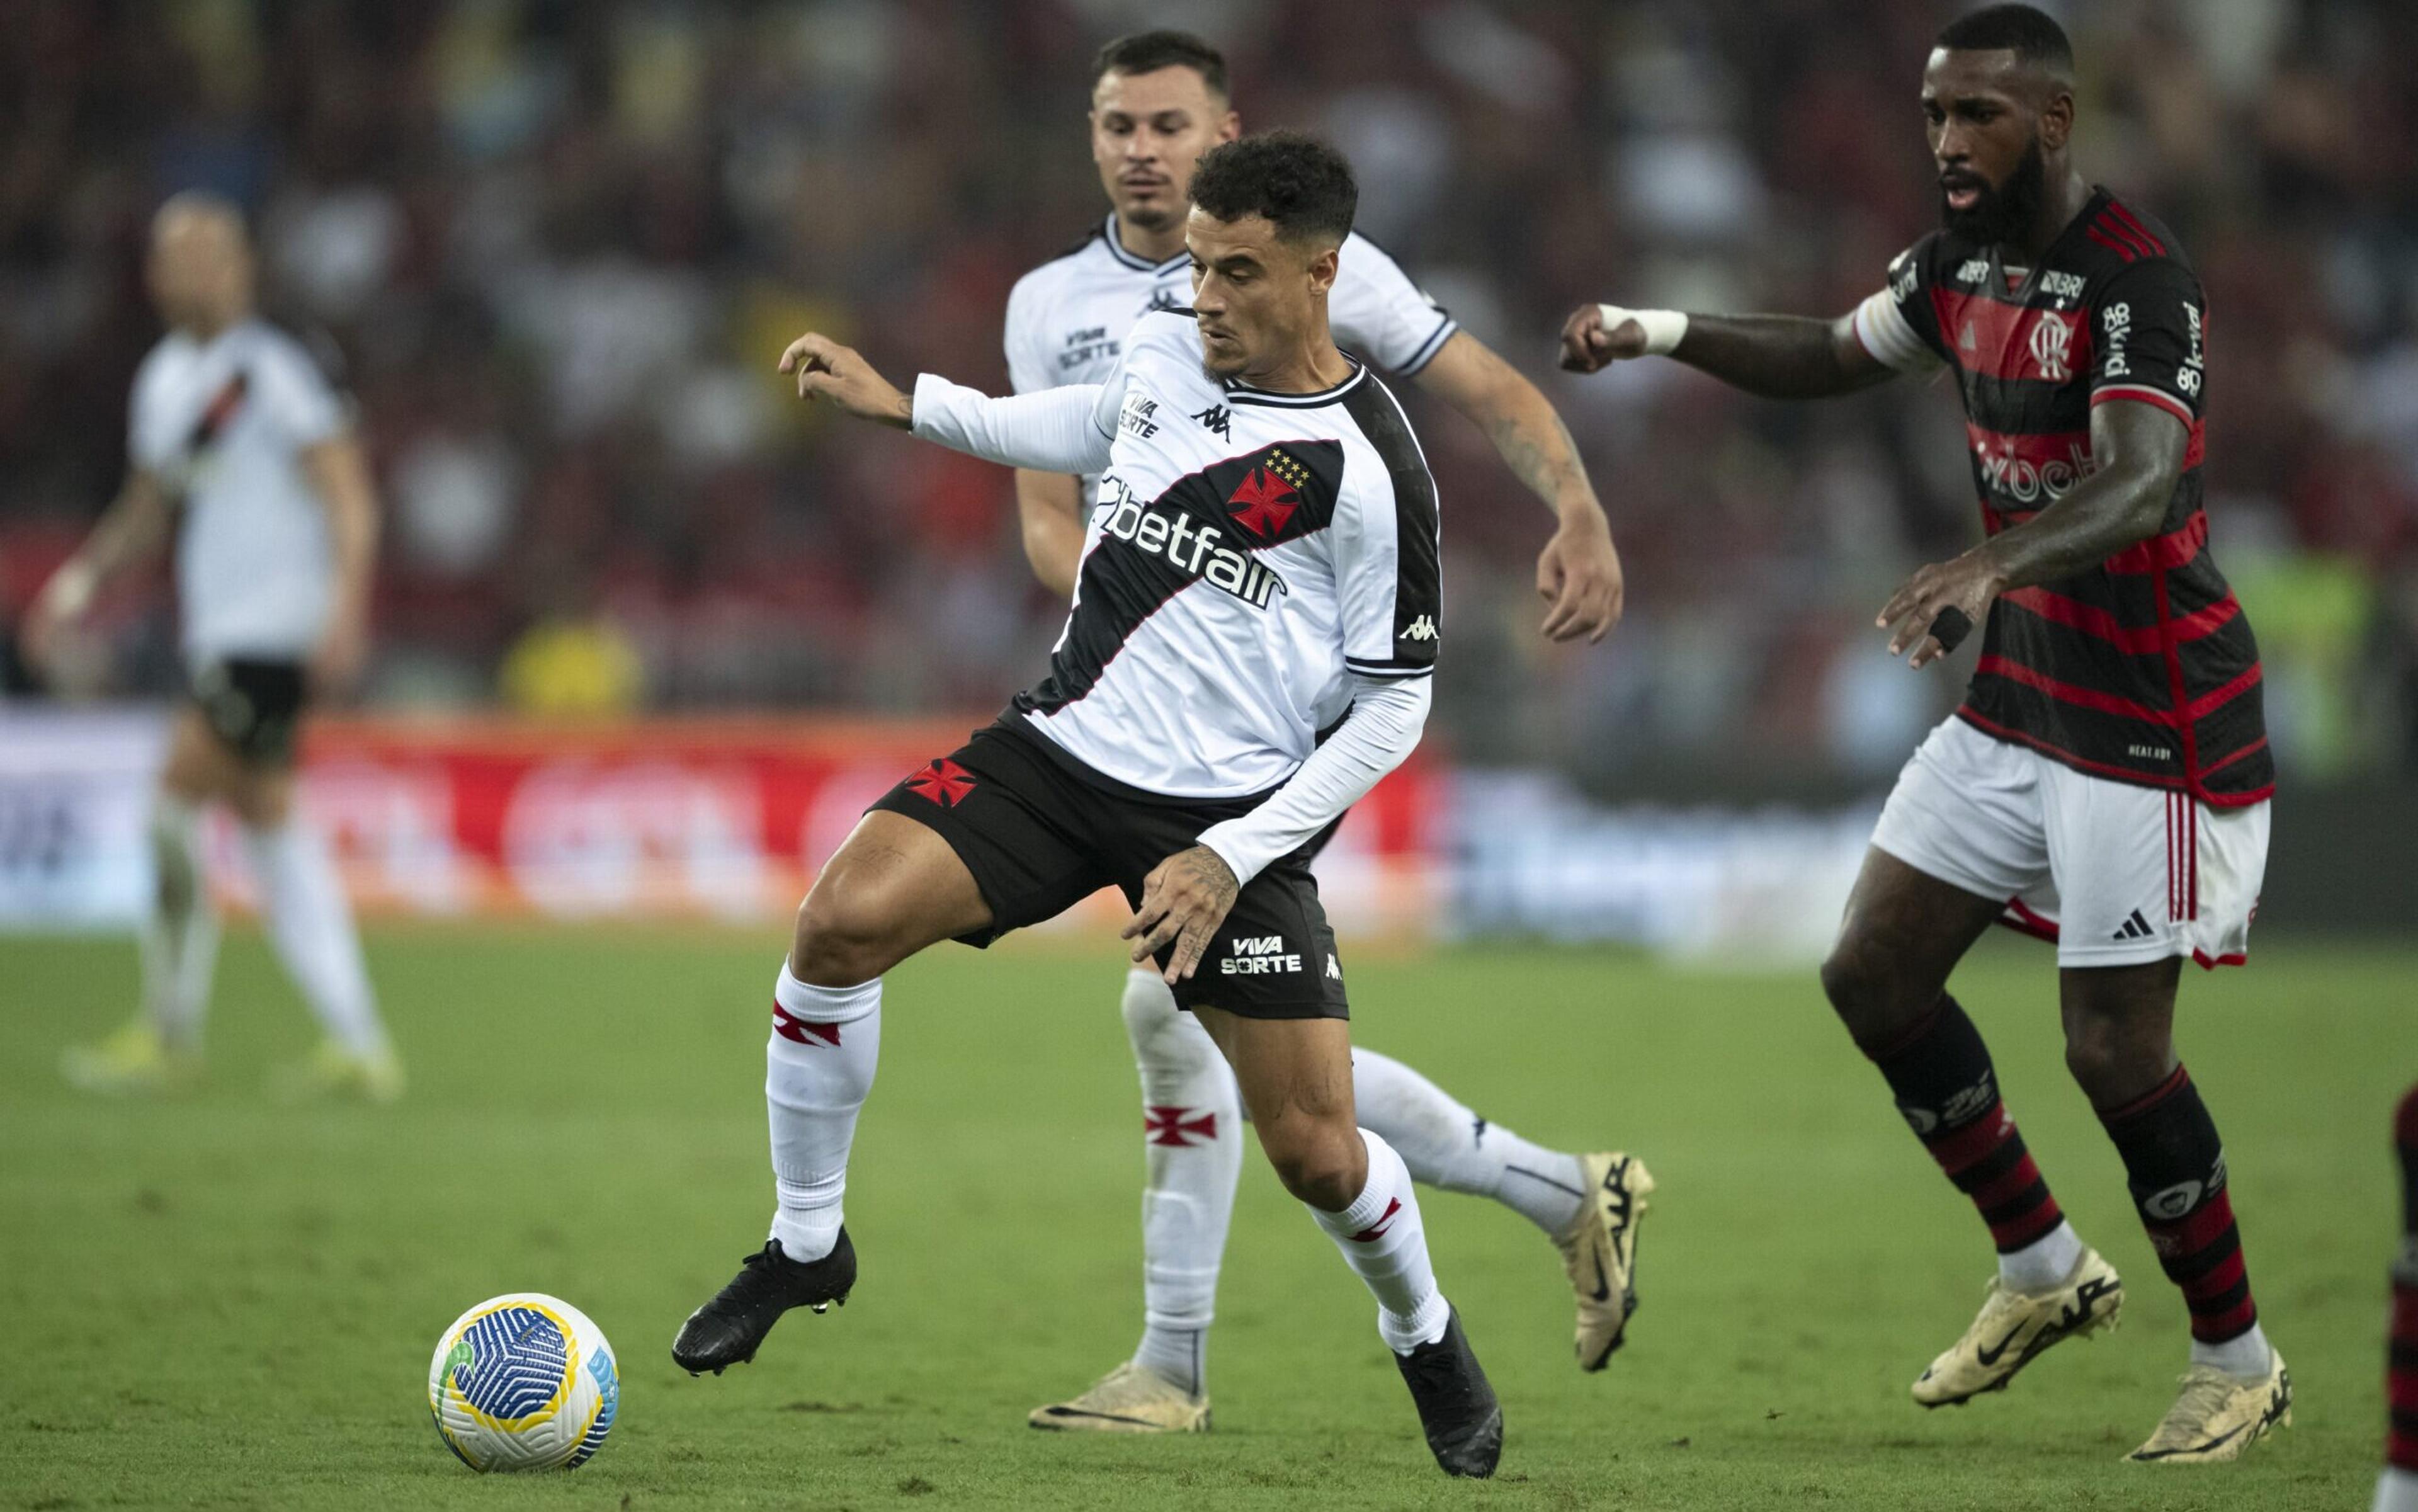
x=843, y=938
x=1871, y=994
x=1323, y=1166
x=2111, y=1061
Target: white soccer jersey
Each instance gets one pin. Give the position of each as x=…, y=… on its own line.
x=1068, y=319
x=1250, y=554
x=221, y=424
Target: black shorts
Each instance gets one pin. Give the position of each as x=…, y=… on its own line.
x=251, y=705
x=1041, y=832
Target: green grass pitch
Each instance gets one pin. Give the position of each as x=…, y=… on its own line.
x=219, y=1302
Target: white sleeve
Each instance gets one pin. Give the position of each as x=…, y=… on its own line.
x=298, y=399
x=148, y=443
x=1376, y=311
x=1381, y=728
x=1067, y=429
x=1885, y=333
x=1028, y=361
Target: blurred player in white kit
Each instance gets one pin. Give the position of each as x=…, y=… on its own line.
x=243, y=452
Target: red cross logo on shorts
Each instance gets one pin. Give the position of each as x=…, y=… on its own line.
x=802, y=1031
x=943, y=782
x=1169, y=1125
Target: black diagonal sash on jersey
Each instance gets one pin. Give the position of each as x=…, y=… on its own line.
x=1207, y=528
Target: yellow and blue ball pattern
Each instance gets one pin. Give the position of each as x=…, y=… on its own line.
x=522, y=1382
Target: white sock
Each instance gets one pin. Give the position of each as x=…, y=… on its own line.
x=2396, y=1490
x=1387, y=1246
x=310, y=922
x=180, y=935
x=1192, y=1153
x=818, y=1067
x=1445, y=1144
x=2043, y=1263
x=2244, y=1357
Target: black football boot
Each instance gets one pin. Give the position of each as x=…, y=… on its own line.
x=1457, y=1407
x=728, y=1330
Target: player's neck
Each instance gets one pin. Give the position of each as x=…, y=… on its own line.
x=210, y=327
x=1149, y=246
x=2066, y=196
x=1313, y=367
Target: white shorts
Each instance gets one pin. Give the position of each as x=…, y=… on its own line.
x=2117, y=874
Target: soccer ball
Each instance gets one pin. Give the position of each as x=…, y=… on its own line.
x=522, y=1382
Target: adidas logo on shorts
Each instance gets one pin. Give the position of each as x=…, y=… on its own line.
x=2136, y=927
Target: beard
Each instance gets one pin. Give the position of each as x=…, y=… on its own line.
x=2003, y=212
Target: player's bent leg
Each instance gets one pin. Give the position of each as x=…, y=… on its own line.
x=1192, y=1153
x=1904, y=931
x=893, y=888
x=2119, y=1046
x=1588, y=1206
x=1295, y=1076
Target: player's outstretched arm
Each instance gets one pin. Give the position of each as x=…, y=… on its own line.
x=130, y=531
x=1049, y=506
x=1058, y=429
x=1777, y=357
x=2137, y=451
x=1578, y=575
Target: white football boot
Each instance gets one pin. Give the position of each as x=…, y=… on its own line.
x=1599, y=1252
x=2218, y=1415
x=2014, y=1328
x=1131, y=1399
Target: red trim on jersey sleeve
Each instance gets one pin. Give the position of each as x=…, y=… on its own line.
x=2142, y=394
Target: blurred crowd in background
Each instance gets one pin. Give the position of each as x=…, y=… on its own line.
x=559, y=246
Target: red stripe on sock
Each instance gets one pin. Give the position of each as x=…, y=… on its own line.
x=2217, y=1282
x=2196, y=1230
x=2231, y=1323
x=2150, y=1099
x=2005, y=1188
x=2032, y=1227
x=1961, y=1148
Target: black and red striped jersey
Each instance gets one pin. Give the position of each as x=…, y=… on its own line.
x=2143, y=668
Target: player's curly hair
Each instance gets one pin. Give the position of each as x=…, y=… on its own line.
x=1302, y=186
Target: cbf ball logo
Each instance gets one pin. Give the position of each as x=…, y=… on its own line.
x=2051, y=340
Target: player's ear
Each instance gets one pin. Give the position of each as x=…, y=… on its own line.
x=1230, y=126
x=1323, y=266
x=2056, y=119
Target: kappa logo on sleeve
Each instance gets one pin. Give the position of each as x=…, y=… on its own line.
x=1423, y=627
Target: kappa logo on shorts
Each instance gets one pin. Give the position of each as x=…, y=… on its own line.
x=943, y=782
x=1258, y=955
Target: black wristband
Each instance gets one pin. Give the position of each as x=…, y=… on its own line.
x=1949, y=627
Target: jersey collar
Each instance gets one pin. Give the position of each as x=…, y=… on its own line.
x=1117, y=250
x=1243, y=393
x=2016, y=293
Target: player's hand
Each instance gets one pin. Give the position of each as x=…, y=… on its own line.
x=1587, y=348
x=55, y=613
x=827, y=370
x=343, y=651
x=1579, y=577
x=1184, y=899
x=1967, y=585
